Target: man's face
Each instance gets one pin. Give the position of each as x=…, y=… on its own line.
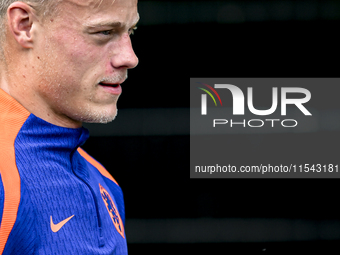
x=82, y=56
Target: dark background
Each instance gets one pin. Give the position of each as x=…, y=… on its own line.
x=165, y=209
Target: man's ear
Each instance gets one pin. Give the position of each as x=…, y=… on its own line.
x=20, y=20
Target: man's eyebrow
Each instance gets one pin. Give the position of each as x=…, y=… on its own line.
x=104, y=24
x=109, y=23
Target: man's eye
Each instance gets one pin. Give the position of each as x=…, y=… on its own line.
x=106, y=32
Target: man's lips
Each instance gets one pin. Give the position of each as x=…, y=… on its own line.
x=112, y=88
x=109, y=84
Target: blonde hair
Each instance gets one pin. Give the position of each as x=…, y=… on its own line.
x=40, y=5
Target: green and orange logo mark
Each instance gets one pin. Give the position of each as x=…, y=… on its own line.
x=209, y=93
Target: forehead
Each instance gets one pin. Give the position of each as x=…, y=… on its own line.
x=89, y=10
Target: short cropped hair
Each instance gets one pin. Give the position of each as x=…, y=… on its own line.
x=40, y=5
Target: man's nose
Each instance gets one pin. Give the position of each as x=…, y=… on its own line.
x=124, y=56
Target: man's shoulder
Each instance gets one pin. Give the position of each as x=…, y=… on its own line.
x=97, y=165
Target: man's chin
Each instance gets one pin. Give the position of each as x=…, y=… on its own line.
x=104, y=116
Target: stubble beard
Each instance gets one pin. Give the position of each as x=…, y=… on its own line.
x=106, y=114
x=103, y=116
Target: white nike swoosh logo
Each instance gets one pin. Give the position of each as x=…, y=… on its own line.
x=56, y=227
